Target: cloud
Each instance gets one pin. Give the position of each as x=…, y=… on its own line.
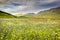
x=14, y=6
x=28, y=2
x=21, y=7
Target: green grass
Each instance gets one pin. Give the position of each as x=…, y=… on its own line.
x=29, y=29
x=42, y=26
x=6, y=15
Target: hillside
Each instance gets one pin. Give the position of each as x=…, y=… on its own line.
x=29, y=14
x=6, y=15
x=51, y=13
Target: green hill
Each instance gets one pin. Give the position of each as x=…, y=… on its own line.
x=6, y=15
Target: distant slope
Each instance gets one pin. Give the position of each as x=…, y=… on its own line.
x=6, y=15
x=19, y=15
x=51, y=13
x=28, y=15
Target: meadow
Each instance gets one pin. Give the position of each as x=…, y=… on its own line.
x=29, y=29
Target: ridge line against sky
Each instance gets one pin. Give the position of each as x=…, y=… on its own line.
x=27, y=6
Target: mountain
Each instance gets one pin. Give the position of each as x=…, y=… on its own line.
x=29, y=14
x=6, y=15
x=51, y=13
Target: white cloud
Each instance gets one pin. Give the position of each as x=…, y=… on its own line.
x=22, y=7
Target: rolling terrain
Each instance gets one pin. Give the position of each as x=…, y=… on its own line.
x=42, y=26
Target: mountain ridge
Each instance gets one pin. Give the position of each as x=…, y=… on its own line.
x=51, y=13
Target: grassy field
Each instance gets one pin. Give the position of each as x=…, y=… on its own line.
x=30, y=29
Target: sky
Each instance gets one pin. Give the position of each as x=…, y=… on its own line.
x=27, y=6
